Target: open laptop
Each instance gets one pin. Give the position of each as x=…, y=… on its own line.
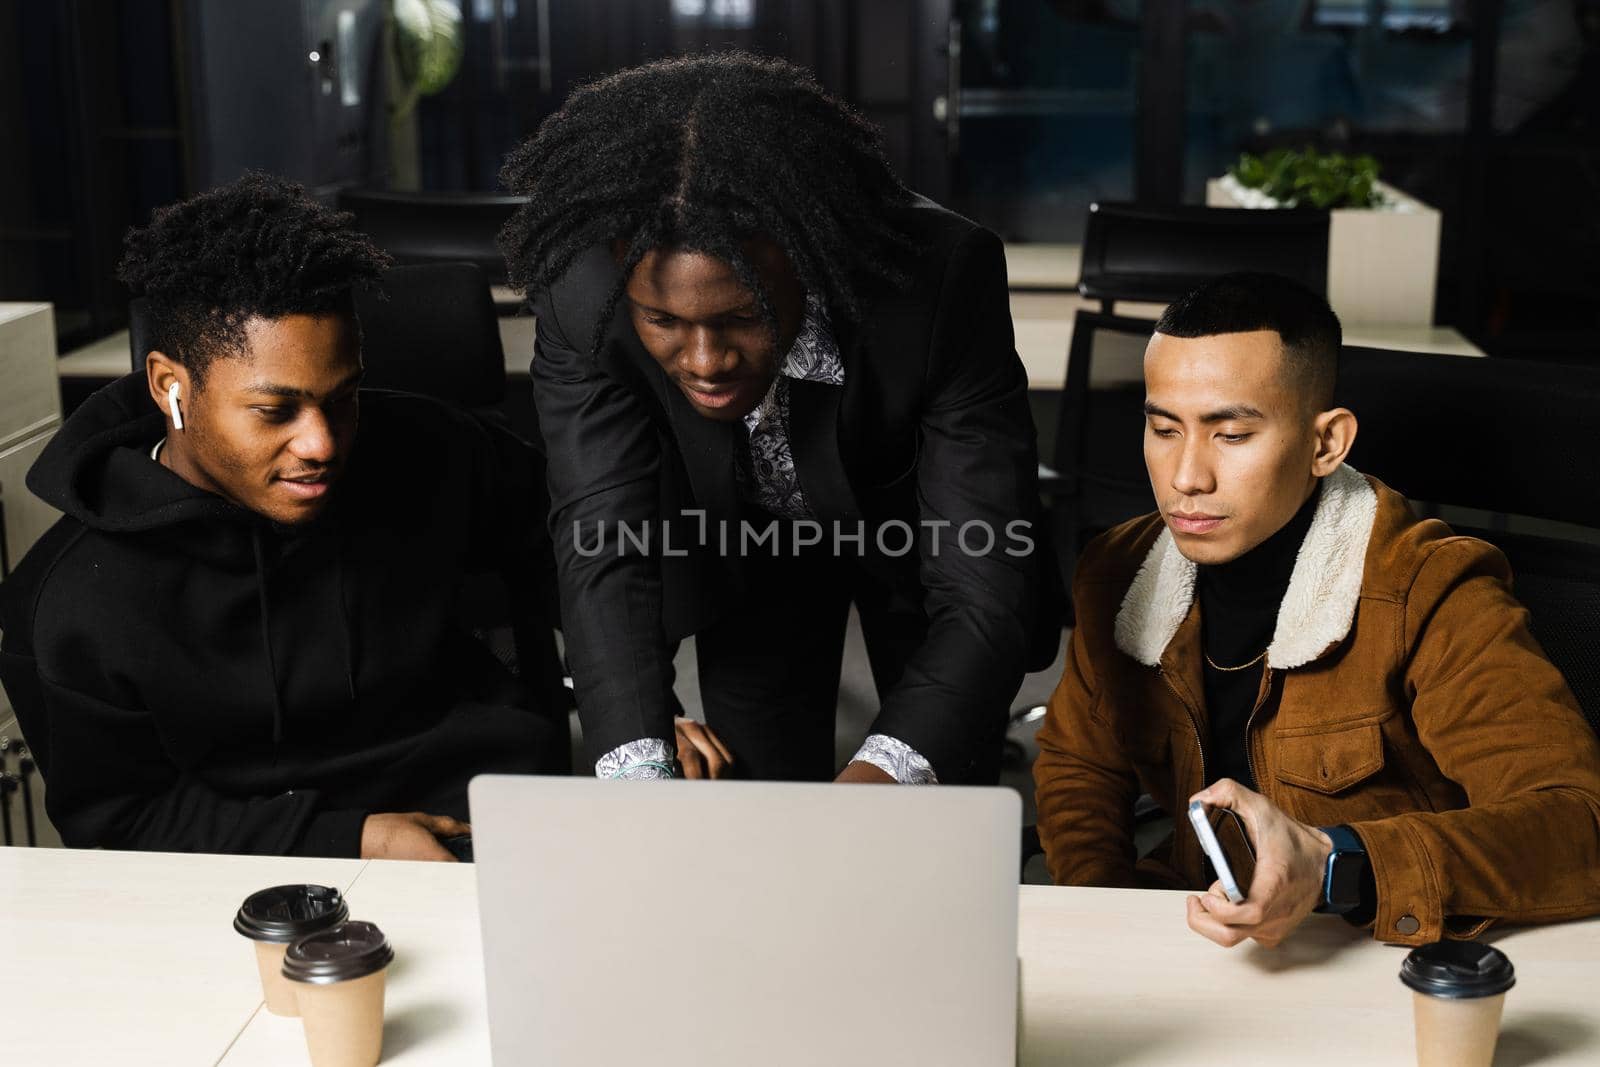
x=717, y=924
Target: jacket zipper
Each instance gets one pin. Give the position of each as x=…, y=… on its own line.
x=1194, y=724
x=1249, y=751
x=1249, y=746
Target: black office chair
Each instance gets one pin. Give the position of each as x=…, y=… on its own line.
x=432, y=330
x=435, y=227
x=1096, y=478
x=1157, y=254
x=1508, y=437
x=139, y=343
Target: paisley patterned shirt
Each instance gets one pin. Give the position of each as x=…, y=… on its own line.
x=765, y=472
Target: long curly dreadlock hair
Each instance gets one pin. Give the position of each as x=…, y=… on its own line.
x=258, y=246
x=704, y=153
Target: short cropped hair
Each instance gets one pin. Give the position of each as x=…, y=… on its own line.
x=1243, y=302
x=256, y=247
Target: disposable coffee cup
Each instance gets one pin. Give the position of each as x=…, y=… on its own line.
x=338, y=976
x=273, y=918
x=1458, y=992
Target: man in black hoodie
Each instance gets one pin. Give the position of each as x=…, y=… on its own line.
x=243, y=635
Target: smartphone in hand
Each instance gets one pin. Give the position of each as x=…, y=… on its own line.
x=1199, y=816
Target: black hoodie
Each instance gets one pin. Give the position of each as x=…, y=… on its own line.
x=192, y=677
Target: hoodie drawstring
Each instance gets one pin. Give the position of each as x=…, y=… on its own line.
x=266, y=635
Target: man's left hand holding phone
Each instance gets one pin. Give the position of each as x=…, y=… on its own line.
x=1286, y=885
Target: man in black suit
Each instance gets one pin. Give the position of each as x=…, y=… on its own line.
x=773, y=382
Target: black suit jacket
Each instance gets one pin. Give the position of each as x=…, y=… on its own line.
x=932, y=423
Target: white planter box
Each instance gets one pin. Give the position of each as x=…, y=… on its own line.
x=1383, y=263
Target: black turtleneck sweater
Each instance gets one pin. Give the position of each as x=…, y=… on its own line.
x=1239, y=603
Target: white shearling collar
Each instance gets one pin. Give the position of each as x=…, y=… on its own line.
x=1317, y=608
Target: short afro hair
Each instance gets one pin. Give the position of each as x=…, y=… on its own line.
x=1245, y=301
x=704, y=153
x=257, y=247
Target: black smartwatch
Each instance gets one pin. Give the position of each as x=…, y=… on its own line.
x=1348, y=869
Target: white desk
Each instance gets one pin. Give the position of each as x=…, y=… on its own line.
x=128, y=958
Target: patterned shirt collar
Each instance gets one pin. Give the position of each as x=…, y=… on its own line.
x=765, y=470
x=814, y=356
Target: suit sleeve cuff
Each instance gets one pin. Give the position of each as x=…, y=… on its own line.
x=896, y=759
x=647, y=759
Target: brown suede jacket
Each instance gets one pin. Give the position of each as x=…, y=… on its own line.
x=1402, y=694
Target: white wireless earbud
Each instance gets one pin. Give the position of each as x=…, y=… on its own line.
x=172, y=405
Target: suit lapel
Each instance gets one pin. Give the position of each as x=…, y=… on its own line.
x=814, y=439
x=707, y=449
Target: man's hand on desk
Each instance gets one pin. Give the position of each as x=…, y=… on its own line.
x=411, y=835
x=701, y=753
x=1290, y=860
x=862, y=771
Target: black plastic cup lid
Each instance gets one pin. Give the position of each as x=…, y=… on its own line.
x=1458, y=970
x=352, y=950
x=285, y=913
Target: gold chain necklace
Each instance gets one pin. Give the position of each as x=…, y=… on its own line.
x=1241, y=667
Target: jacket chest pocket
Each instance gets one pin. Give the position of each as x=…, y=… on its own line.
x=1330, y=761
x=1341, y=774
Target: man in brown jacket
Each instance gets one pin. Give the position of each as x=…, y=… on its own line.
x=1286, y=642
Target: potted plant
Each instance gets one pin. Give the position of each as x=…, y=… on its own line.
x=1383, y=246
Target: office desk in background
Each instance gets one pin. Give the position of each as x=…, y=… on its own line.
x=1042, y=321
x=131, y=958
x=1043, y=304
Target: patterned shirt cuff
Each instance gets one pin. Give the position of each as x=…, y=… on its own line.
x=896, y=759
x=646, y=759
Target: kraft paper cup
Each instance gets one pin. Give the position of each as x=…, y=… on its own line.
x=339, y=978
x=1458, y=995
x=273, y=918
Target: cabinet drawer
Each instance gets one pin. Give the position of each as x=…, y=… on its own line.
x=26, y=516
x=31, y=399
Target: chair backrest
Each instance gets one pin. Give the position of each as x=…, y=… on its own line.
x=1505, y=436
x=1134, y=252
x=139, y=341
x=1558, y=581
x=1099, y=441
x=1099, y=454
x=435, y=227
x=433, y=330
x=1510, y=436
